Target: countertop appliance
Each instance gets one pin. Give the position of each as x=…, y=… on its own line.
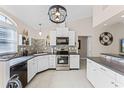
x=62, y=60
x=18, y=75
x=62, y=40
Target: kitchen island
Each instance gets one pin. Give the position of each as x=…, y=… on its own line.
x=104, y=73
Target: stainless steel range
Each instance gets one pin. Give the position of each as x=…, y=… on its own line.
x=62, y=60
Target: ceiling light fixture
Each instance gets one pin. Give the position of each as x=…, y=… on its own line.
x=40, y=33
x=57, y=13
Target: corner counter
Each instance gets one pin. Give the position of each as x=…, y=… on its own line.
x=113, y=55
x=105, y=74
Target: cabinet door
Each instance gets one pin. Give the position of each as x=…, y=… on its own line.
x=45, y=63
x=52, y=61
x=53, y=38
x=89, y=71
x=35, y=64
x=42, y=63
x=98, y=76
x=59, y=34
x=92, y=73
x=62, y=32
x=105, y=81
x=30, y=70
x=72, y=38
x=75, y=61
x=65, y=33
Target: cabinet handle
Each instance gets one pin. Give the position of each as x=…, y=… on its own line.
x=103, y=69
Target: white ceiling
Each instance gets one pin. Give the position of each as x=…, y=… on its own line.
x=32, y=15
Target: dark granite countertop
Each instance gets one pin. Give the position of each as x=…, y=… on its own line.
x=33, y=55
x=17, y=60
x=113, y=55
x=114, y=65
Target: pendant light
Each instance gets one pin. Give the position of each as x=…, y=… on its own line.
x=40, y=33
x=57, y=13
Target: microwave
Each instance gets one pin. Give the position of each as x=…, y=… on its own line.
x=62, y=40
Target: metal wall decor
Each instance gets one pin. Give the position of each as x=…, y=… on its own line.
x=57, y=13
x=106, y=38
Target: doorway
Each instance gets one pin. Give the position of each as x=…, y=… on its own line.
x=82, y=46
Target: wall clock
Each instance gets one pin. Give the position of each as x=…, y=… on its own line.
x=106, y=38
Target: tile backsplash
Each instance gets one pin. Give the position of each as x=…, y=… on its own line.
x=37, y=46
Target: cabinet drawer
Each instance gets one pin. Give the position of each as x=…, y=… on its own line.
x=103, y=69
x=107, y=71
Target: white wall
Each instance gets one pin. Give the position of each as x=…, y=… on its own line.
x=83, y=27
x=102, y=13
x=21, y=26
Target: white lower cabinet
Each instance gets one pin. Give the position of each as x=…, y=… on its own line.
x=42, y=62
x=37, y=64
x=52, y=61
x=90, y=73
x=4, y=74
x=104, y=80
x=74, y=61
x=32, y=69
x=102, y=77
x=72, y=38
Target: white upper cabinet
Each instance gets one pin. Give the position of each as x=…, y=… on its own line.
x=72, y=38
x=52, y=38
x=22, y=40
x=105, y=13
x=62, y=32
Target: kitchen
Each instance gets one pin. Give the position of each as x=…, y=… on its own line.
x=33, y=51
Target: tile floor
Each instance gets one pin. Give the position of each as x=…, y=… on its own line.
x=61, y=79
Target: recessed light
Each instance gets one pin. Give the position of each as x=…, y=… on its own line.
x=105, y=24
x=122, y=16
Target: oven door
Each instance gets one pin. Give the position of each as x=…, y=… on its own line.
x=62, y=60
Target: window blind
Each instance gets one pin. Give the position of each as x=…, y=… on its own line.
x=8, y=40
